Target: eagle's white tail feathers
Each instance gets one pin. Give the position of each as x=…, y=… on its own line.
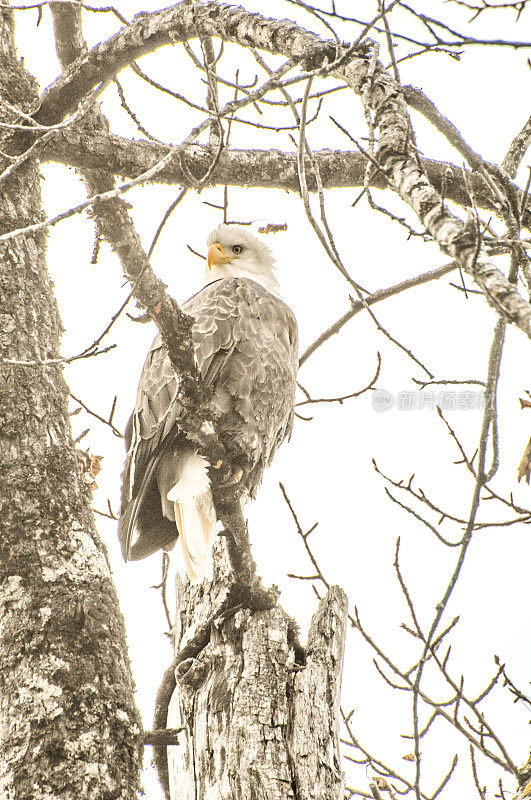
x=194, y=515
x=196, y=529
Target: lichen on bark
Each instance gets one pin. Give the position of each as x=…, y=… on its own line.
x=69, y=725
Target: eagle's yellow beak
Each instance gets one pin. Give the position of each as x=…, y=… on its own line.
x=216, y=255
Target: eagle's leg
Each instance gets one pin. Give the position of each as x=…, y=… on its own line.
x=235, y=478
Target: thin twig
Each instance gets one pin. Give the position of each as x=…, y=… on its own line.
x=376, y=297
x=105, y=421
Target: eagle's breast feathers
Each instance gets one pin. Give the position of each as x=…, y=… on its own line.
x=245, y=343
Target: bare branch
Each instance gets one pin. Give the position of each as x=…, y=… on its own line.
x=517, y=150
x=106, y=421
x=376, y=297
x=340, y=400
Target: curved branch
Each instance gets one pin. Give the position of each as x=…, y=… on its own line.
x=178, y=23
x=366, y=77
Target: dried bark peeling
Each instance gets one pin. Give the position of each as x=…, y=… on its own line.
x=260, y=714
x=69, y=727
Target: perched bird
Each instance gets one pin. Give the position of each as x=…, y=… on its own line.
x=245, y=343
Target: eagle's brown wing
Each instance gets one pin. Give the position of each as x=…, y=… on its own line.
x=245, y=342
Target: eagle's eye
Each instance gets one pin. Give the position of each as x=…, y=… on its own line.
x=237, y=249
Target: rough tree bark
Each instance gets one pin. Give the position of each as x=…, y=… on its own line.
x=256, y=168
x=258, y=713
x=66, y=707
x=69, y=727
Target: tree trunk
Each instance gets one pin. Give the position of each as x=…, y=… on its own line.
x=259, y=713
x=69, y=727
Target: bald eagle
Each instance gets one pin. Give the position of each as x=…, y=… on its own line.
x=245, y=344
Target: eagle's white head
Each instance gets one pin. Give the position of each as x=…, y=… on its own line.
x=233, y=252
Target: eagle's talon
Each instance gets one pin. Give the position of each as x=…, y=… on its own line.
x=238, y=475
x=234, y=479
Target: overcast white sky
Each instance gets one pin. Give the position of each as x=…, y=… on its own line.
x=326, y=467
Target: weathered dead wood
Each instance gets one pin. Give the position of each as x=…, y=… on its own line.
x=232, y=589
x=260, y=713
x=313, y=731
